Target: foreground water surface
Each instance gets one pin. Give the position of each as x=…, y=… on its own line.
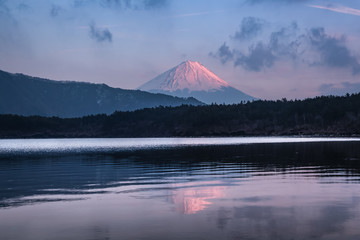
x=180, y=188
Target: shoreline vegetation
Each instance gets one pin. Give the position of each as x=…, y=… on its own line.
x=320, y=116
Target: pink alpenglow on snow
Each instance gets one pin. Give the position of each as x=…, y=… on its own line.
x=188, y=75
x=192, y=79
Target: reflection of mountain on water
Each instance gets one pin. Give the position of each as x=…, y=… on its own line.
x=192, y=199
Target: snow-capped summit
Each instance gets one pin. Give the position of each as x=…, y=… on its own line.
x=192, y=79
x=187, y=75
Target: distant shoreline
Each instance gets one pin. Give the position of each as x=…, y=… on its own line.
x=46, y=147
x=326, y=116
x=181, y=137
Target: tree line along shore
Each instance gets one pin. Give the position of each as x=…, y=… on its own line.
x=320, y=116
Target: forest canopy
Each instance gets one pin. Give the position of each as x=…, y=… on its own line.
x=325, y=116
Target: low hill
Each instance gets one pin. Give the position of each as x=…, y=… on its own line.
x=26, y=95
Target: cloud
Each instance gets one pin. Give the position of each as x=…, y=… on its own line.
x=285, y=42
x=55, y=10
x=123, y=4
x=151, y=4
x=80, y=3
x=100, y=35
x=276, y=1
x=197, y=14
x=339, y=89
x=4, y=10
x=224, y=54
x=113, y=3
x=332, y=50
x=23, y=7
x=339, y=9
x=249, y=28
x=7, y=18
x=259, y=57
x=313, y=47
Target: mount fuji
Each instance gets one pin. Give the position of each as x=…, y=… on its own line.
x=192, y=79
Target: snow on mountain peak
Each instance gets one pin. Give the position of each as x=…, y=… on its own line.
x=190, y=75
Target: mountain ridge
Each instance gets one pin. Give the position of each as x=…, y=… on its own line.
x=26, y=95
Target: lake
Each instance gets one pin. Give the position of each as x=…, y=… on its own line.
x=180, y=188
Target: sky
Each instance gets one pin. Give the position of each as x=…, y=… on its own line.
x=270, y=49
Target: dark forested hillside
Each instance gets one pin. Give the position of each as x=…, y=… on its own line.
x=319, y=116
x=26, y=95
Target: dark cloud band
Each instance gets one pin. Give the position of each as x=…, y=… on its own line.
x=289, y=43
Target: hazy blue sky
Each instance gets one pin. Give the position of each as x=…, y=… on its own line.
x=266, y=48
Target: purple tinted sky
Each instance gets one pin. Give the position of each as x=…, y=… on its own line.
x=267, y=48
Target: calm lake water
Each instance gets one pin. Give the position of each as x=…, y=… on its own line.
x=180, y=188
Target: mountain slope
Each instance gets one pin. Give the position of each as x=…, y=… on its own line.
x=192, y=79
x=25, y=95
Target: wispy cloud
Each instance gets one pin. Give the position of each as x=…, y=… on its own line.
x=123, y=4
x=197, y=14
x=100, y=35
x=55, y=10
x=339, y=9
x=275, y=1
